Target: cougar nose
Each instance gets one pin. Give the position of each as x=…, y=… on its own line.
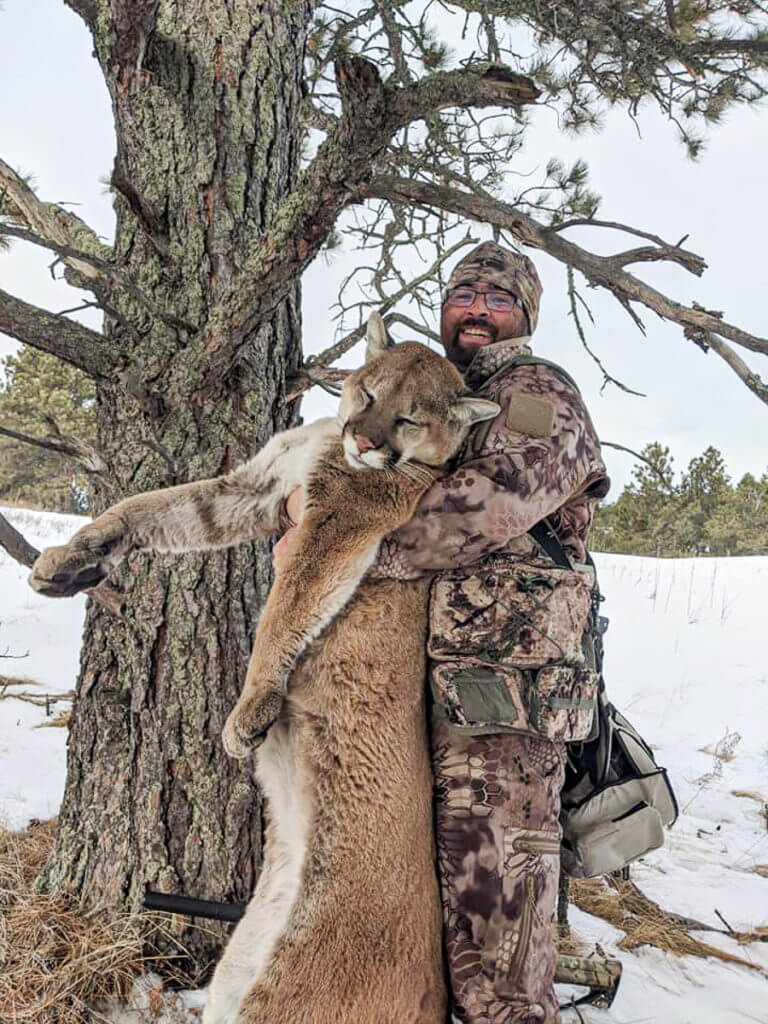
x=364, y=444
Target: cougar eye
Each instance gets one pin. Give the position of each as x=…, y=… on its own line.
x=366, y=395
x=404, y=421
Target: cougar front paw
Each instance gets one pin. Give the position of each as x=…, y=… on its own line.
x=81, y=564
x=248, y=722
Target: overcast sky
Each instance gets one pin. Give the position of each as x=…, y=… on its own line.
x=56, y=123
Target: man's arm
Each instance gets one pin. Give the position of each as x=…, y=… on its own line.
x=512, y=479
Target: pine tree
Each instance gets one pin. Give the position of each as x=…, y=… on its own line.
x=703, y=490
x=738, y=525
x=638, y=521
x=40, y=395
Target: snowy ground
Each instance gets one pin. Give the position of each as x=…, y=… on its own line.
x=686, y=661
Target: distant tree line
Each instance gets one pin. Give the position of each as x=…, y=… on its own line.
x=703, y=513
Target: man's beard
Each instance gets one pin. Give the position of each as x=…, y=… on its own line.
x=462, y=357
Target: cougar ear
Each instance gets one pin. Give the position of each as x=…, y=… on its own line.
x=376, y=337
x=469, y=410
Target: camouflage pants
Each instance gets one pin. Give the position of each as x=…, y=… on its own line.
x=498, y=838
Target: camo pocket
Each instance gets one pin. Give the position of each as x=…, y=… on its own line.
x=561, y=702
x=556, y=702
x=521, y=615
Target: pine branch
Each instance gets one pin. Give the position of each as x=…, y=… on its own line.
x=67, y=340
x=372, y=113
x=601, y=271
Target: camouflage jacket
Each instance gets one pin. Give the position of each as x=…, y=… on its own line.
x=539, y=458
x=509, y=642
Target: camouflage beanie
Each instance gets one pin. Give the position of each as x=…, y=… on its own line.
x=489, y=263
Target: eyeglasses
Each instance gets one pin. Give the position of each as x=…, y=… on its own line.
x=504, y=302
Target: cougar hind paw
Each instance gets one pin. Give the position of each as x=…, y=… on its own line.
x=248, y=722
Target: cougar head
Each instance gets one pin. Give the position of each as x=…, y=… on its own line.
x=406, y=404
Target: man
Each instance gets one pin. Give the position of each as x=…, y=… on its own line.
x=498, y=793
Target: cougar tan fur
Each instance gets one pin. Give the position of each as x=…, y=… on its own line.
x=344, y=924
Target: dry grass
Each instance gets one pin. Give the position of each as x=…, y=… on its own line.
x=569, y=944
x=748, y=794
x=56, y=963
x=645, y=923
x=60, y=721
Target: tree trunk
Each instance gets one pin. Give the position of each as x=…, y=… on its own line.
x=207, y=107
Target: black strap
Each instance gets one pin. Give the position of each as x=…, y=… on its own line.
x=523, y=359
x=550, y=544
x=193, y=907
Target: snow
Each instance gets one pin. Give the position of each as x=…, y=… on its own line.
x=685, y=661
x=33, y=761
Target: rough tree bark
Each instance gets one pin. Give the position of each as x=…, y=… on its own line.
x=206, y=105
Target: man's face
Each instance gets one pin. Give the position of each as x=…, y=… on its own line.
x=466, y=328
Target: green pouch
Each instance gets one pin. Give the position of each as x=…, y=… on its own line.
x=557, y=702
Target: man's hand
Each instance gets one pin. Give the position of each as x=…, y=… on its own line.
x=294, y=507
x=279, y=550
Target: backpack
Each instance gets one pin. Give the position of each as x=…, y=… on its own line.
x=615, y=800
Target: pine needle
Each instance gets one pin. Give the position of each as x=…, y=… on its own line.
x=56, y=964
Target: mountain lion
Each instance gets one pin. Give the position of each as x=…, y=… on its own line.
x=344, y=924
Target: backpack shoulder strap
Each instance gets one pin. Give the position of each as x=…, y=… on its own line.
x=549, y=542
x=525, y=360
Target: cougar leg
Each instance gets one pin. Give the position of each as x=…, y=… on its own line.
x=254, y=939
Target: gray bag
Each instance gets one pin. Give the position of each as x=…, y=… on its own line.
x=616, y=799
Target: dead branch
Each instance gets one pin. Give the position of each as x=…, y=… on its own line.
x=16, y=545
x=599, y=270
x=108, y=271
x=414, y=325
x=88, y=457
x=52, y=223
x=755, y=383
x=372, y=113
x=66, y=339
x=669, y=253
x=575, y=297
x=40, y=700
x=310, y=376
x=642, y=458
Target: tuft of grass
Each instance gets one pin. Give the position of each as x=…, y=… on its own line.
x=60, y=721
x=645, y=923
x=58, y=964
